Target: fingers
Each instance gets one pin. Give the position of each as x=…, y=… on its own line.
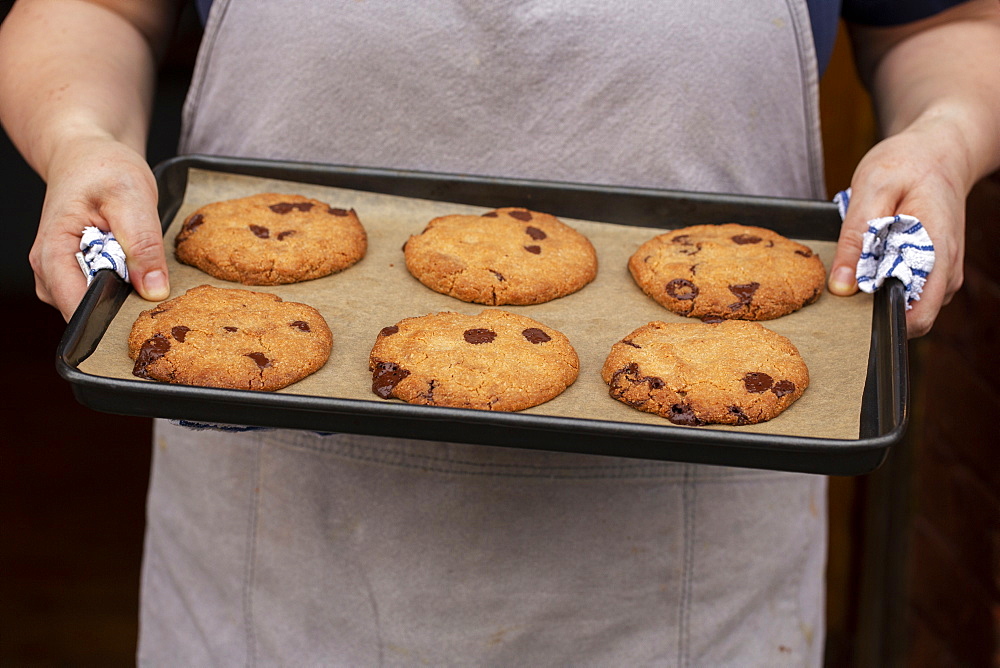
x=64, y=283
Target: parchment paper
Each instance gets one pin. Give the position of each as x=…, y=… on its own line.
x=833, y=334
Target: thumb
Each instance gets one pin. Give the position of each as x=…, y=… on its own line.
x=138, y=231
x=843, y=271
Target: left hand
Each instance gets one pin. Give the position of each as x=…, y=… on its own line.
x=909, y=173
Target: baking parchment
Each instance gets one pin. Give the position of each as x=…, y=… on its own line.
x=833, y=334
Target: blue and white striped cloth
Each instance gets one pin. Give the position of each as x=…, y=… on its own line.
x=100, y=250
x=893, y=246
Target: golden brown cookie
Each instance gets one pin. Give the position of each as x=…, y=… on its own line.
x=219, y=337
x=497, y=361
x=271, y=239
x=728, y=271
x=507, y=256
x=695, y=373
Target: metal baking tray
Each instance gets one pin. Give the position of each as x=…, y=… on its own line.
x=884, y=405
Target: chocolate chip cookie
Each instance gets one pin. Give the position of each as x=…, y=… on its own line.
x=238, y=339
x=506, y=256
x=694, y=373
x=496, y=361
x=728, y=271
x=271, y=239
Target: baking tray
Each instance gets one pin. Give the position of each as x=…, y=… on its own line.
x=883, y=414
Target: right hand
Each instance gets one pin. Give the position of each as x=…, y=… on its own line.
x=98, y=181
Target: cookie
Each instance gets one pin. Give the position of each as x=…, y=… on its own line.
x=694, y=373
x=506, y=256
x=728, y=271
x=221, y=337
x=496, y=361
x=271, y=239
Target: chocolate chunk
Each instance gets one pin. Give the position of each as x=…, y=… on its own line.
x=535, y=335
x=741, y=417
x=490, y=214
x=682, y=239
x=288, y=207
x=260, y=359
x=476, y=336
x=804, y=253
x=388, y=331
x=631, y=343
x=744, y=293
x=152, y=350
x=231, y=329
x=338, y=212
x=743, y=239
x=681, y=288
x=300, y=325
x=535, y=233
x=193, y=223
x=655, y=383
x=385, y=377
x=260, y=231
x=533, y=249
x=179, y=332
x=520, y=215
x=498, y=275
x=284, y=235
x=682, y=414
x=757, y=382
x=712, y=319
x=783, y=387
x=159, y=310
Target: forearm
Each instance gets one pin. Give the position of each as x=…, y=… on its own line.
x=75, y=70
x=947, y=75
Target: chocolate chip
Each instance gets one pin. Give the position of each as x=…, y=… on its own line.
x=388, y=331
x=152, y=350
x=490, y=214
x=385, y=377
x=783, y=387
x=804, y=253
x=712, y=319
x=288, y=207
x=743, y=239
x=682, y=239
x=744, y=293
x=535, y=335
x=300, y=325
x=498, y=275
x=260, y=231
x=520, y=215
x=681, y=288
x=159, y=310
x=231, y=329
x=179, y=332
x=284, y=235
x=533, y=249
x=682, y=414
x=631, y=343
x=655, y=383
x=337, y=212
x=535, y=233
x=757, y=382
x=741, y=417
x=193, y=222
x=260, y=359
x=475, y=336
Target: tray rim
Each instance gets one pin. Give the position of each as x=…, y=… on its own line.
x=886, y=397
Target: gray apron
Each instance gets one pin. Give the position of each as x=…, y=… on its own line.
x=294, y=549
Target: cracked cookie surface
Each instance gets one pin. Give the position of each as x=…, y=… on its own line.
x=229, y=338
x=495, y=360
x=728, y=271
x=506, y=256
x=693, y=373
x=271, y=239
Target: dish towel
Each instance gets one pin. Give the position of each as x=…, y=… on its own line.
x=894, y=246
x=100, y=250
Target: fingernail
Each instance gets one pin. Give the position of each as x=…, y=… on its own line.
x=155, y=283
x=842, y=281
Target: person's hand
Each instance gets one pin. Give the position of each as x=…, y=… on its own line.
x=101, y=182
x=909, y=173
